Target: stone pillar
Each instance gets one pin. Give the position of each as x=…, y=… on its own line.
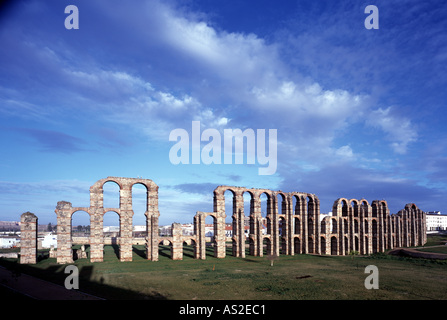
x=96, y=224
x=177, y=244
x=274, y=223
x=256, y=225
x=126, y=215
x=28, y=238
x=199, y=226
x=96, y=235
x=152, y=216
x=64, y=252
x=238, y=225
x=253, y=233
x=304, y=225
x=219, y=237
x=219, y=225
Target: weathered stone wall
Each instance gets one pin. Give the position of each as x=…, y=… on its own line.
x=64, y=211
x=28, y=238
x=291, y=225
x=357, y=226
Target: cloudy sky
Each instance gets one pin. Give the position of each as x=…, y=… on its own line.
x=359, y=113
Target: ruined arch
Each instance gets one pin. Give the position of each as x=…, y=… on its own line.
x=334, y=245
x=80, y=233
x=354, y=207
x=323, y=244
x=124, y=210
x=113, y=187
x=292, y=223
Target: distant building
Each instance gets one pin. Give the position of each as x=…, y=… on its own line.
x=188, y=229
x=49, y=240
x=436, y=221
x=8, y=242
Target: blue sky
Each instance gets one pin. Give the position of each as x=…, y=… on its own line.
x=358, y=112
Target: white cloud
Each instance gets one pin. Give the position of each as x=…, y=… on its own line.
x=345, y=152
x=400, y=131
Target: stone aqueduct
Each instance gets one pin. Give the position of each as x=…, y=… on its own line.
x=292, y=224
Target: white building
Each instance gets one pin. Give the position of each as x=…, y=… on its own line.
x=436, y=221
x=8, y=242
x=49, y=240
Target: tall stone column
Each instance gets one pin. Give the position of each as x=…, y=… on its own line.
x=96, y=235
x=199, y=226
x=219, y=225
x=256, y=225
x=274, y=223
x=126, y=215
x=28, y=238
x=96, y=224
x=239, y=225
x=177, y=244
x=152, y=216
x=64, y=252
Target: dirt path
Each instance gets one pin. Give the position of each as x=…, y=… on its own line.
x=40, y=289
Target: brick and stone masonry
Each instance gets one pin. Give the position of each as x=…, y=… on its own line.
x=291, y=225
x=28, y=238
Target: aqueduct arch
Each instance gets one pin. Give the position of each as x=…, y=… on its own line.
x=291, y=224
x=64, y=211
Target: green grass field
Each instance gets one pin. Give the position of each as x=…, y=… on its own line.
x=291, y=277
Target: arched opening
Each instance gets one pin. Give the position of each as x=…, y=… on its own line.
x=265, y=213
x=384, y=208
x=165, y=249
x=374, y=210
x=334, y=246
x=355, y=208
x=310, y=242
x=344, y=208
x=298, y=204
x=111, y=228
x=80, y=233
x=189, y=249
x=139, y=208
x=111, y=195
x=334, y=227
x=297, y=226
x=374, y=236
x=248, y=223
x=310, y=228
x=231, y=218
x=210, y=233
x=297, y=245
x=356, y=226
x=294, y=202
x=364, y=208
x=281, y=204
x=229, y=205
x=345, y=226
x=322, y=245
x=267, y=247
x=311, y=208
